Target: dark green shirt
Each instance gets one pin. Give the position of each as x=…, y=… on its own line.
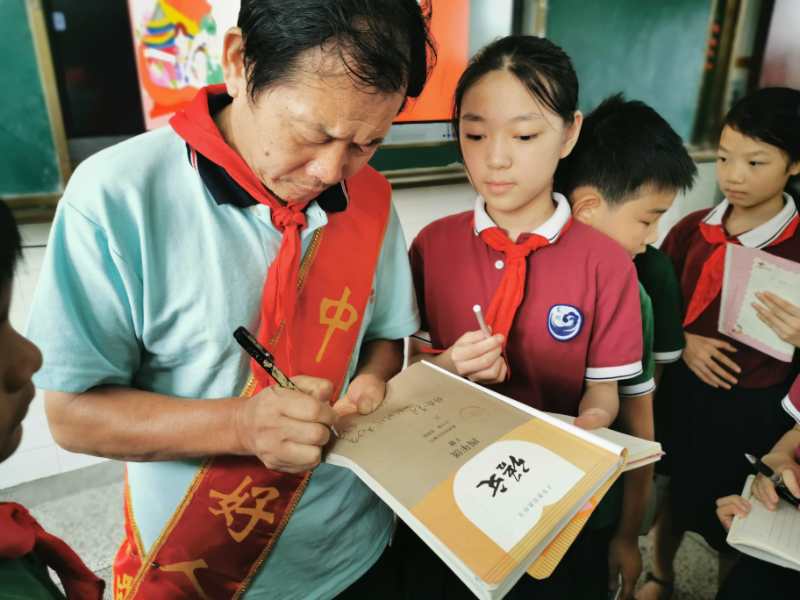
x=657, y=275
x=26, y=578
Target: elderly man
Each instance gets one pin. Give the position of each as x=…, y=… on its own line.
x=255, y=207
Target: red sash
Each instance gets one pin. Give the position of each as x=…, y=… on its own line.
x=235, y=509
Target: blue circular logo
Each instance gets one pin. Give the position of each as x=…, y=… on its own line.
x=564, y=322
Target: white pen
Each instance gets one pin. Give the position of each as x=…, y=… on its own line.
x=481, y=323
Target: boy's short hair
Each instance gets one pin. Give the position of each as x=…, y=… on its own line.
x=10, y=244
x=624, y=145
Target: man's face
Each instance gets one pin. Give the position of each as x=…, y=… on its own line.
x=634, y=223
x=19, y=360
x=310, y=132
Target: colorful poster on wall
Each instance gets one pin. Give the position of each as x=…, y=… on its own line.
x=178, y=45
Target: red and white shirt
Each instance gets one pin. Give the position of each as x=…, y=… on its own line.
x=791, y=403
x=580, y=317
x=688, y=250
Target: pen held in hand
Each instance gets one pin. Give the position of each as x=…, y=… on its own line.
x=267, y=362
x=481, y=322
x=780, y=488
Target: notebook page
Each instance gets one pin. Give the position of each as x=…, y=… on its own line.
x=775, y=532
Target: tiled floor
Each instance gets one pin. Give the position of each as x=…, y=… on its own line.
x=85, y=508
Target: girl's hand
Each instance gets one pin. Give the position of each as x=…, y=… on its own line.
x=479, y=358
x=729, y=507
x=364, y=395
x=705, y=357
x=782, y=316
x=789, y=470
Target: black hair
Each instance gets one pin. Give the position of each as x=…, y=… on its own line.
x=541, y=66
x=624, y=145
x=770, y=115
x=385, y=45
x=10, y=244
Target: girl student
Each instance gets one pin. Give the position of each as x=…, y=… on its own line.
x=561, y=299
x=726, y=396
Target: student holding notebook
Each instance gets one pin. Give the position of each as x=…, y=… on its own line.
x=752, y=578
x=561, y=299
x=727, y=396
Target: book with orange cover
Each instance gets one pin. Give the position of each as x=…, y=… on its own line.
x=487, y=482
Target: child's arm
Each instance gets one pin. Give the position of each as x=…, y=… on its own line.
x=636, y=417
x=473, y=356
x=782, y=460
x=380, y=360
x=599, y=405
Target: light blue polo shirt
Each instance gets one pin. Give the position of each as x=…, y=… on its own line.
x=144, y=280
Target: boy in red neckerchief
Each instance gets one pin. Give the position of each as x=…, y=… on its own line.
x=27, y=550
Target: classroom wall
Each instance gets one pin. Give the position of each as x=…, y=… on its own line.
x=39, y=456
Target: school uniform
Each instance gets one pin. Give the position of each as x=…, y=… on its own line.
x=791, y=403
x=579, y=320
x=713, y=426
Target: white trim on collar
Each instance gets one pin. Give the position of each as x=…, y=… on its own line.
x=550, y=229
x=765, y=233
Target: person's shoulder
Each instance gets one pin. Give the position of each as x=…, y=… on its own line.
x=652, y=262
x=116, y=178
x=445, y=229
x=689, y=223
x=597, y=246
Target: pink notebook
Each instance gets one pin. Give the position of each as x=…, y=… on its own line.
x=748, y=271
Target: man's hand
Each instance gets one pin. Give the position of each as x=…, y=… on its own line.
x=624, y=559
x=789, y=470
x=365, y=394
x=478, y=358
x=705, y=357
x=287, y=429
x=729, y=507
x=781, y=316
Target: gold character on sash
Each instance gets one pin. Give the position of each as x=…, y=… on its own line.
x=233, y=503
x=344, y=317
x=122, y=586
x=188, y=568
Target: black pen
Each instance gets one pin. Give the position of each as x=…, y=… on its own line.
x=780, y=488
x=264, y=358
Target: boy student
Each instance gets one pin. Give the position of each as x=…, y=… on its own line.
x=256, y=207
x=27, y=550
x=622, y=175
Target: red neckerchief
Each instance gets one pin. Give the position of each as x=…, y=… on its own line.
x=197, y=127
x=22, y=535
x=508, y=296
x=709, y=284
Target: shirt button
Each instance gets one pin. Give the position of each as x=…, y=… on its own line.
x=499, y=265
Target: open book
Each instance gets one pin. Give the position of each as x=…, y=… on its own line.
x=770, y=536
x=748, y=271
x=488, y=483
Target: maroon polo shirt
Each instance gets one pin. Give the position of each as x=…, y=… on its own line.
x=579, y=319
x=688, y=250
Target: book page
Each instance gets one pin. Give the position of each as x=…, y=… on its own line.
x=640, y=452
x=771, y=534
x=749, y=271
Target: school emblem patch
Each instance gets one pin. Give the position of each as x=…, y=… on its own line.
x=564, y=321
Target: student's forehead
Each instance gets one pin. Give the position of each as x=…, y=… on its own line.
x=732, y=139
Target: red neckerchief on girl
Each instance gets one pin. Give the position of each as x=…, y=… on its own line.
x=197, y=127
x=508, y=296
x=22, y=534
x=709, y=284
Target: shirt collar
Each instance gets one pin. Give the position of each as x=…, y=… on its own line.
x=764, y=234
x=550, y=229
x=225, y=190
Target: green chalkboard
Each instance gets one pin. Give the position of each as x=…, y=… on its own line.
x=651, y=50
x=30, y=159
